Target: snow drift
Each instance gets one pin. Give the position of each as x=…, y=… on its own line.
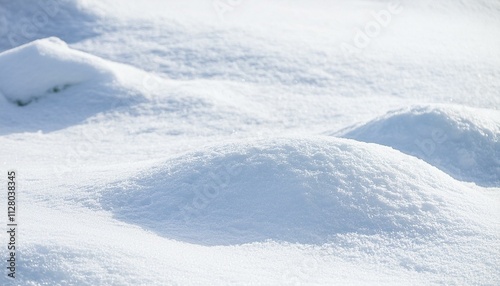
x=109, y=195
x=463, y=142
x=70, y=86
x=49, y=66
x=291, y=189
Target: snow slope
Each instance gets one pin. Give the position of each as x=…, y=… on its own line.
x=61, y=76
x=295, y=190
x=24, y=21
x=49, y=66
x=174, y=143
x=464, y=142
x=51, y=75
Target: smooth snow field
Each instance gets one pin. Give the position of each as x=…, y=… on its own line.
x=222, y=142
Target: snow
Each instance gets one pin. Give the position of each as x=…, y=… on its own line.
x=49, y=66
x=294, y=190
x=462, y=141
x=175, y=143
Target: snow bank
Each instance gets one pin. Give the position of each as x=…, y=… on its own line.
x=291, y=189
x=464, y=142
x=76, y=85
x=47, y=66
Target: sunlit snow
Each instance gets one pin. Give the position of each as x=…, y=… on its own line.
x=252, y=142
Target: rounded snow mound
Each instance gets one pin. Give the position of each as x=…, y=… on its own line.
x=463, y=142
x=48, y=66
x=291, y=189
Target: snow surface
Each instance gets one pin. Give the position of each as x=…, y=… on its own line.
x=464, y=142
x=49, y=66
x=295, y=190
x=175, y=143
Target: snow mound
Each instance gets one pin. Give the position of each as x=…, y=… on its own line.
x=49, y=66
x=70, y=87
x=463, y=142
x=291, y=189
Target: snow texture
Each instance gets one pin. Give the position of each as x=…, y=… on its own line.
x=464, y=142
x=50, y=66
x=294, y=190
x=252, y=142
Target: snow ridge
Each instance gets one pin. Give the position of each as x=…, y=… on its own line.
x=305, y=190
x=464, y=142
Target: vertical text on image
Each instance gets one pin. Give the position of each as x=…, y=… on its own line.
x=11, y=224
